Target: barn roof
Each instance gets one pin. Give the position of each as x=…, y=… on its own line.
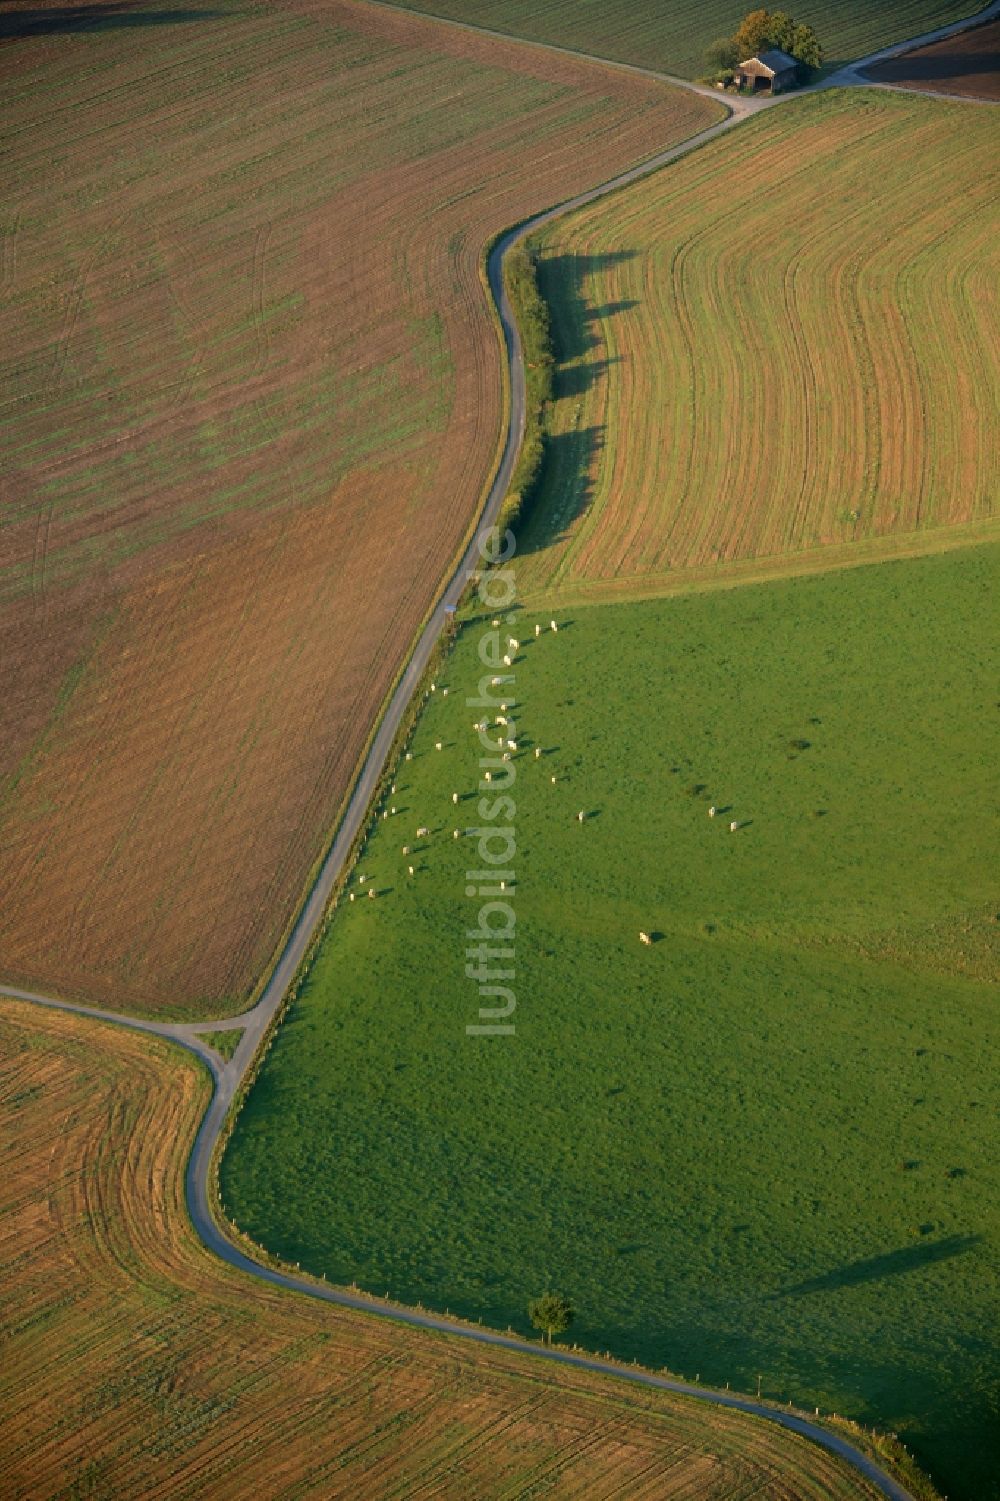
x=774, y=59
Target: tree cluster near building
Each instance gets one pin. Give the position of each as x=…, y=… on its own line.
x=760, y=31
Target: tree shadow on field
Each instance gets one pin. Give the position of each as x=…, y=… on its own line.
x=561, y=281
x=576, y=380
x=69, y=18
x=565, y=487
x=889, y=1264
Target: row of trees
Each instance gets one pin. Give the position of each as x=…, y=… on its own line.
x=761, y=29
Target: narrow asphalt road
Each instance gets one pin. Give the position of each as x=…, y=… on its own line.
x=228, y=1076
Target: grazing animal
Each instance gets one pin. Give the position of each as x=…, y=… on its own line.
x=456, y=833
x=362, y=880
x=371, y=892
x=513, y=644
x=552, y=779
x=553, y=626
x=434, y=687
x=506, y=661
x=352, y=896
x=384, y=813
x=712, y=811
x=733, y=826
x=538, y=630
x=409, y=755
x=393, y=807
x=454, y=797
x=444, y=693
x=580, y=816
x=437, y=745
x=495, y=624
x=501, y=719
x=406, y=849
x=487, y=776
x=506, y=756
x=538, y=751
x=645, y=937
x=512, y=745
x=422, y=832
x=410, y=869
x=495, y=682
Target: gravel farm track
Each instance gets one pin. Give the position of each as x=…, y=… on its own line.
x=229, y=1075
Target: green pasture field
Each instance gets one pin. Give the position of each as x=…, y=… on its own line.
x=764, y=1144
x=672, y=38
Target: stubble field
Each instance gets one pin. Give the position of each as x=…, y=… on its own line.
x=251, y=394
x=136, y=1365
x=763, y=358
x=761, y=1145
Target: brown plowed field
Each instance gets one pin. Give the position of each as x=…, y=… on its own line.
x=252, y=394
x=135, y=1364
x=967, y=64
x=774, y=348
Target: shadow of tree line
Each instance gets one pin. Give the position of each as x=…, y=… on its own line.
x=565, y=489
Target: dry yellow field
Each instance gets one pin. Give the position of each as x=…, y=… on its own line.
x=137, y=1365
x=766, y=354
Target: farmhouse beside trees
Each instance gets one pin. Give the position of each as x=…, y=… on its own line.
x=769, y=50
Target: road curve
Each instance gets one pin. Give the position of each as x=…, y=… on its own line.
x=228, y=1076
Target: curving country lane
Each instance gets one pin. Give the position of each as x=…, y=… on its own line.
x=228, y=1076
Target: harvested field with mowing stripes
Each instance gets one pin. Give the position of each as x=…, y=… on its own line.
x=968, y=64
x=761, y=355
x=135, y=1365
x=672, y=37
x=252, y=392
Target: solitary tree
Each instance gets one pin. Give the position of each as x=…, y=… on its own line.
x=552, y=1314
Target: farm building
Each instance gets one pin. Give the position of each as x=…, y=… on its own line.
x=773, y=70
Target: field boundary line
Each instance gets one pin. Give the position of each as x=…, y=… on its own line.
x=808, y=564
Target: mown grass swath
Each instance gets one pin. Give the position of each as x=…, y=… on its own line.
x=136, y=1363
x=759, y=355
x=253, y=393
x=760, y=1145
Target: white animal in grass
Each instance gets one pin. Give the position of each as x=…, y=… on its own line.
x=538, y=752
x=645, y=938
x=553, y=626
x=454, y=797
x=422, y=832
